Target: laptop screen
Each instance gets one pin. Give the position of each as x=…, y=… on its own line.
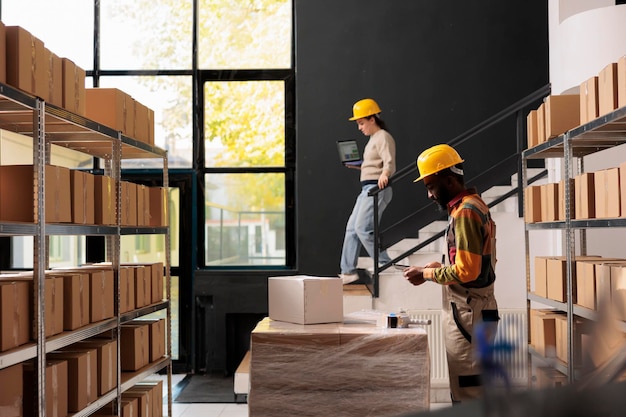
x=348, y=151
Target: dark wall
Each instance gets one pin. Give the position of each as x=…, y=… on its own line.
x=436, y=68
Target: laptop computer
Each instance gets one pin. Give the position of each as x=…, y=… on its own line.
x=349, y=152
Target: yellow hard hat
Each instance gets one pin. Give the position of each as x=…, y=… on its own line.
x=435, y=159
x=364, y=108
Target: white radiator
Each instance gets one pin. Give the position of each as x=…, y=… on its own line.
x=512, y=328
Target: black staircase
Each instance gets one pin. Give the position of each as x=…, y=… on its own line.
x=497, y=174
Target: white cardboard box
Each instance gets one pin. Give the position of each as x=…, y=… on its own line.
x=305, y=299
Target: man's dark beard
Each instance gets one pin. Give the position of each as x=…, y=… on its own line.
x=443, y=200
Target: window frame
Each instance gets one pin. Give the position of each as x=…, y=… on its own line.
x=288, y=169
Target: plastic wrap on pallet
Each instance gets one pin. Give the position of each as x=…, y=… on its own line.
x=337, y=369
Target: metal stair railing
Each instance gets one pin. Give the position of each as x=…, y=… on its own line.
x=487, y=178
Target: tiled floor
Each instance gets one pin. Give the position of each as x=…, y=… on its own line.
x=222, y=410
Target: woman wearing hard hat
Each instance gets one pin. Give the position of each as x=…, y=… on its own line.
x=379, y=163
x=468, y=281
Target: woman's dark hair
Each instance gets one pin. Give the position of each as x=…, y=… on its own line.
x=380, y=122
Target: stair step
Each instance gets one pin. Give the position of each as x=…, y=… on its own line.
x=356, y=290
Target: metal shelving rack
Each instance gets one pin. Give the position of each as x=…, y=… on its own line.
x=602, y=133
x=47, y=125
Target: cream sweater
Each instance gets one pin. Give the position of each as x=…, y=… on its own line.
x=379, y=155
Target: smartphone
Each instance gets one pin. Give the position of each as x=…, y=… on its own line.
x=401, y=267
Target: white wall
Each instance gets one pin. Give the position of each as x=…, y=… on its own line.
x=582, y=42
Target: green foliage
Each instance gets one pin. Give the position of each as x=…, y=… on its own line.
x=244, y=121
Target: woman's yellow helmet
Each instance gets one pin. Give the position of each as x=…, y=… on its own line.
x=364, y=108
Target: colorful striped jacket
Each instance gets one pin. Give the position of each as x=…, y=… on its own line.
x=471, y=238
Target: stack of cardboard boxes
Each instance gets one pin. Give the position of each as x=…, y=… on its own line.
x=73, y=298
x=78, y=374
x=28, y=65
x=596, y=195
x=78, y=197
x=598, y=96
x=599, y=284
x=303, y=357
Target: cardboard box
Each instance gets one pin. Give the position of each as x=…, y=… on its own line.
x=150, y=127
x=561, y=340
x=130, y=407
x=607, y=89
x=101, y=290
x=105, y=212
x=585, y=196
x=549, y=202
x=157, y=395
x=15, y=316
x=621, y=82
x=141, y=277
x=153, y=272
x=586, y=284
x=607, y=193
x=604, y=280
x=142, y=122
x=589, y=109
x=158, y=281
x=305, y=299
x=532, y=204
x=129, y=204
x=541, y=123
x=562, y=113
x=82, y=375
x=143, y=205
x=74, y=95
x=157, y=338
x=53, y=304
x=16, y=185
x=144, y=400
x=102, y=294
x=541, y=276
x=557, y=274
x=22, y=49
x=82, y=197
x=106, y=353
x=127, y=289
x=134, y=346
x=158, y=207
x=56, y=388
x=532, y=139
x=76, y=298
x=543, y=332
x=109, y=106
x=12, y=392
x=582, y=90
x=55, y=79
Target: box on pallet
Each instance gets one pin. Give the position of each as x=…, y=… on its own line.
x=305, y=299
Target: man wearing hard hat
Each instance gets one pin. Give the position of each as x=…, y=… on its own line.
x=468, y=280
